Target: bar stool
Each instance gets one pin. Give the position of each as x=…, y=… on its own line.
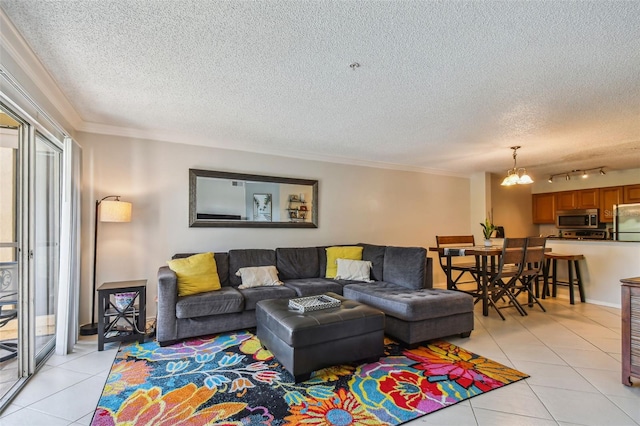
x=572, y=265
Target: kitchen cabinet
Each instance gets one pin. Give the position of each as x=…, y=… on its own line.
x=632, y=194
x=608, y=198
x=544, y=208
x=588, y=198
x=579, y=199
x=566, y=200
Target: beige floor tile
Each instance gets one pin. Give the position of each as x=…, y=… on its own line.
x=582, y=408
x=609, y=383
x=534, y=353
x=72, y=403
x=516, y=398
x=46, y=383
x=588, y=359
x=631, y=406
x=456, y=415
x=29, y=417
x=497, y=418
x=557, y=376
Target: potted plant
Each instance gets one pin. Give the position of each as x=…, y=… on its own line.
x=487, y=231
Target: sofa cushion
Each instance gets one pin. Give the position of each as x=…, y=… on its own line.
x=294, y=263
x=312, y=286
x=375, y=255
x=222, y=263
x=340, y=252
x=359, y=270
x=405, y=266
x=196, y=274
x=248, y=257
x=224, y=301
x=256, y=294
x=410, y=305
x=258, y=276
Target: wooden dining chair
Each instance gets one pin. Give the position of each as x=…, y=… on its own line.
x=510, y=268
x=532, y=272
x=461, y=266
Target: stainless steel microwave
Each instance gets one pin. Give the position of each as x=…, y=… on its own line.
x=577, y=219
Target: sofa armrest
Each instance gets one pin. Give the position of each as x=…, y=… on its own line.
x=167, y=325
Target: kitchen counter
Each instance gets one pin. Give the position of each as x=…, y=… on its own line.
x=590, y=240
x=606, y=263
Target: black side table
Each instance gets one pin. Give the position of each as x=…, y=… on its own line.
x=121, y=324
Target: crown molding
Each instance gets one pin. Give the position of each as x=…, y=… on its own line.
x=175, y=137
x=29, y=64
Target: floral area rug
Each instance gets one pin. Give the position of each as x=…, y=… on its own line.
x=228, y=379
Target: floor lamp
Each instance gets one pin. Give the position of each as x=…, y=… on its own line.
x=106, y=211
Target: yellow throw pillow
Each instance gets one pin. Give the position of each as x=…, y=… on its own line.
x=340, y=252
x=196, y=274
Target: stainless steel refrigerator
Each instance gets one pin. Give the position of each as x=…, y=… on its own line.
x=626, y=222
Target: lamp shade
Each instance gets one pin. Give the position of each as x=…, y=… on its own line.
x=115, y=211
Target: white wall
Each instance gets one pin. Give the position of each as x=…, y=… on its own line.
x=356, y=204
x=511, y=207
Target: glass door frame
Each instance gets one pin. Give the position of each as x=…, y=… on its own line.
x=26, y=239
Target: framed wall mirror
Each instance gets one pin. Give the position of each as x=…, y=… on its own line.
x=223, y=199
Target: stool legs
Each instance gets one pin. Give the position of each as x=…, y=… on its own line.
x=580, y=287
x=573, y=266
x=570, y=268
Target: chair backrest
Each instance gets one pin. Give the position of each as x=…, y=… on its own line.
x=452, y=241
x=535, y=252
x=513, y=252
x=455, y=240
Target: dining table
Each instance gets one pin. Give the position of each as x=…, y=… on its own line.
x=486, y=257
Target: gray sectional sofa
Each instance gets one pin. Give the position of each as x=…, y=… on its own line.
x=401, y=288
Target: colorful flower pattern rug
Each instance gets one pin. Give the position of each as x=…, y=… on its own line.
x=229, y=379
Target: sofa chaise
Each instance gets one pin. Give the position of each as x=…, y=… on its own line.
x=401, y=287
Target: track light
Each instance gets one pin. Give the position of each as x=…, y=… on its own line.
x=584, y=173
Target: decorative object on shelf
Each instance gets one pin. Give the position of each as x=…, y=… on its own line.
x=583, y=172
x=262, y=207
x=107, y=211
x=294, y=198
x=516, y=175
x=487, y=230
x=122, y=300
x=302, y=208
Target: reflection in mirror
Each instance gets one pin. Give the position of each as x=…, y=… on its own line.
x=222, y=199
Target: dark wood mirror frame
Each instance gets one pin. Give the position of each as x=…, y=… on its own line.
x=286, y=222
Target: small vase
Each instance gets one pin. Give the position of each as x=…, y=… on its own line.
x=487, y=242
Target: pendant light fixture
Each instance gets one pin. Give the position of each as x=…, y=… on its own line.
x=516, y=175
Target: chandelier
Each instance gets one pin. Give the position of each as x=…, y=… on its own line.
x=516, y=176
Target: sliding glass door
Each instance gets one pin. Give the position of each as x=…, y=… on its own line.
x=46, y=256
x=30, y=215
x=11, y=131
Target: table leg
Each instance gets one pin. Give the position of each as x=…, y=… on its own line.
x=450, y=285
x=485, y=287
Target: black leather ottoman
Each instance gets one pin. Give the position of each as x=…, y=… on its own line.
x=306, y=342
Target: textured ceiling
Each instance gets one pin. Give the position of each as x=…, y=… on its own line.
x=444, y=86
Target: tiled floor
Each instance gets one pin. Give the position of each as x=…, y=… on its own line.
x=572, y=354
